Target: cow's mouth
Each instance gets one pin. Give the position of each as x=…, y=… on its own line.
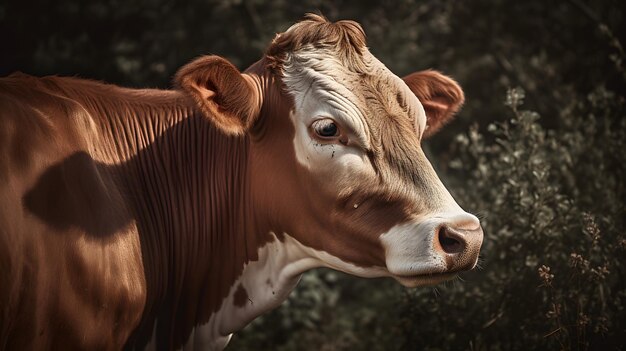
x=412, y=281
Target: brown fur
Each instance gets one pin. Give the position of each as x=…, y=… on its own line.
x=240, y=299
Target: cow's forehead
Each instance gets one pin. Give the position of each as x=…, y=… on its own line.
x=366, y=94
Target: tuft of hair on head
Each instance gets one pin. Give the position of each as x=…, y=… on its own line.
x=315, y=31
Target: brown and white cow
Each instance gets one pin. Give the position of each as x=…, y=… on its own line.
x=166, y=219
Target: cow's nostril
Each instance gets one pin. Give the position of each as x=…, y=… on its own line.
x=450, y=241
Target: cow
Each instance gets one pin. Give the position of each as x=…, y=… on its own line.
x=168, y=219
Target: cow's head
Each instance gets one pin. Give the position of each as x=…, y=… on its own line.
x=335, y=153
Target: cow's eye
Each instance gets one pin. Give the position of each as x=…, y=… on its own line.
x=325, y=128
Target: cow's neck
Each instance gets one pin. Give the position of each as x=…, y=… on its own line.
x=209, y=255
x=264, y=284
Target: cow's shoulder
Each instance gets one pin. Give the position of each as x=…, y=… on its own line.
x=65, y=223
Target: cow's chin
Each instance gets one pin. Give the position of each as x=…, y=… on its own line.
x=414, y=281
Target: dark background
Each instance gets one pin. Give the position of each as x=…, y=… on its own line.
x=551, y=50
x=537, y=151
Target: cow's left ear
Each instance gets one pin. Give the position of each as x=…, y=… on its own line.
x=440, y=95
x=224, y=95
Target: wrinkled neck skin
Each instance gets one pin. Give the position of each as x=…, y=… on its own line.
x=214, y=255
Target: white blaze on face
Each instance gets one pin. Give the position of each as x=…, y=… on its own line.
x=322, y=87
x=318, y=96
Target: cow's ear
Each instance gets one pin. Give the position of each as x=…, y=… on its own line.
x=224, y=95
x=440, y=95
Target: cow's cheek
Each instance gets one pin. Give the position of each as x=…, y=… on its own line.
x=346, y=214
x=359, y=222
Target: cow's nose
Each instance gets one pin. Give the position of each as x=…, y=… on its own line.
x=451, y=241
x=459, y=245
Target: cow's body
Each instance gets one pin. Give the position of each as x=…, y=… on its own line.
x=135, y=218
x=74, y=203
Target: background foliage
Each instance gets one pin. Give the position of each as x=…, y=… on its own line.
x=539, y=152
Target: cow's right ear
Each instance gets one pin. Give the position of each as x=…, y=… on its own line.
x=226, y=96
